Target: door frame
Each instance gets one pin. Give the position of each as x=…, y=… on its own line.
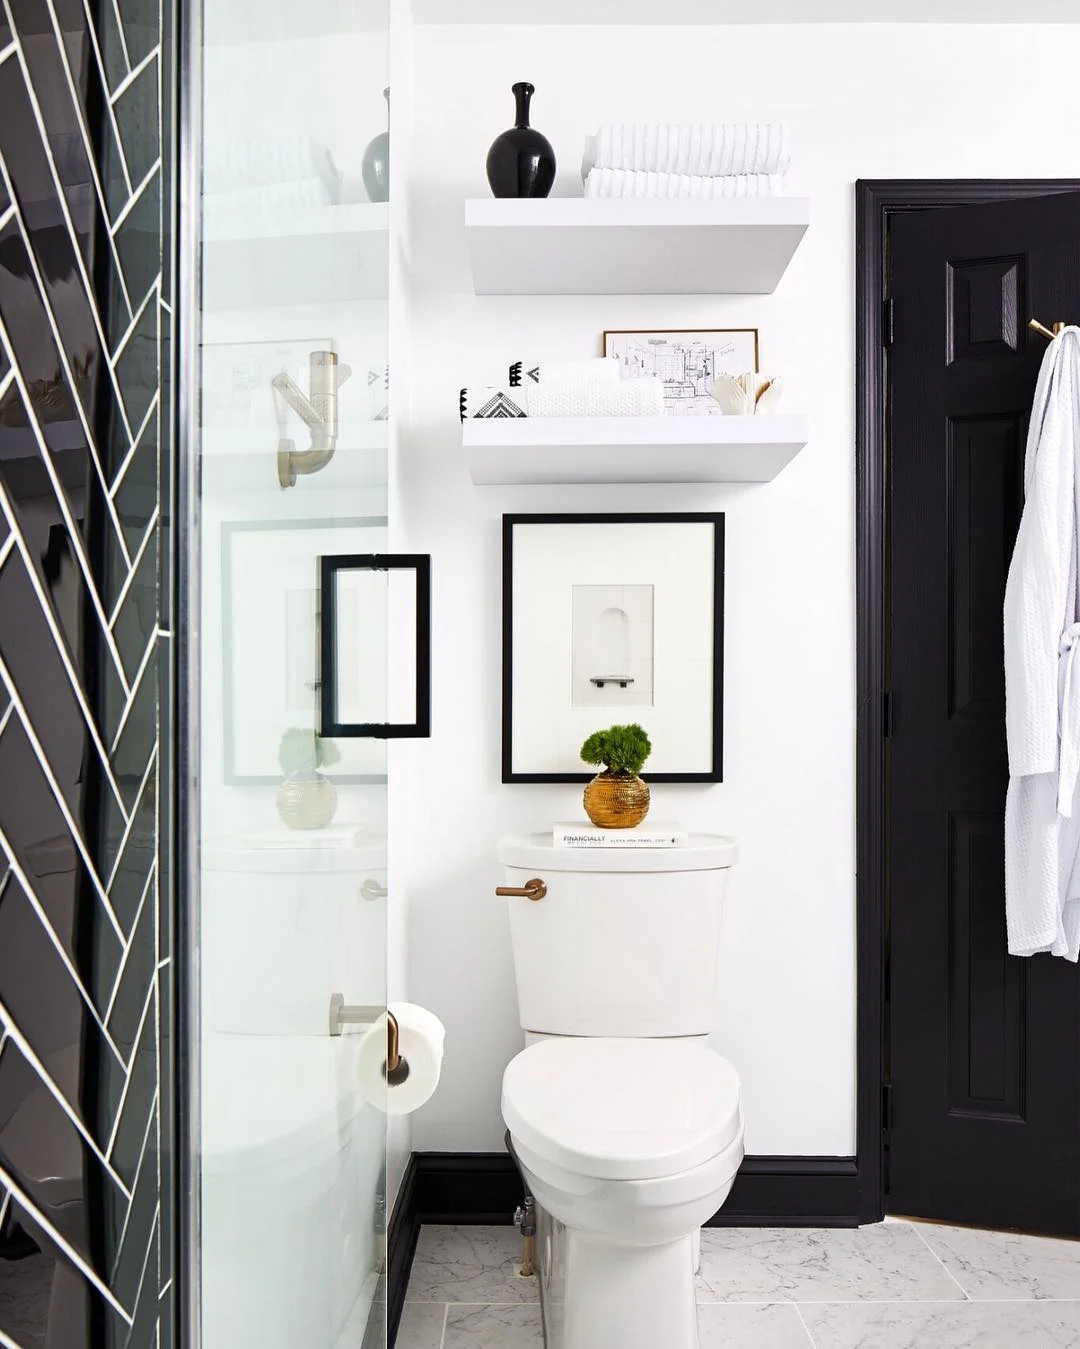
x=876, y=202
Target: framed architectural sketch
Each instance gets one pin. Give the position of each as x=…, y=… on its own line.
x=686, y=360
x=610, y=619
x=270, y=643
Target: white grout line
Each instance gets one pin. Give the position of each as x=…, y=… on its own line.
x=133, y=74
x=6, y=547
x=944, y=1266
x=6, y=383
x=167, y=307
x=9, y=50
x=445, y=1318
x=45, y=605
x=43, y=919
x=151, y=647
x=134, y=812
x=72, y=1254
x=802, y=1322
x=114, y=359
x=135, y=561
x=165, y=1288
x=79, y=110
x=7, y=217
x=45, y=1078
x=75, y=537
x=58, y=795
x=134, y=1187
x=61, y=351
x=129, y=943
x=7, y=1195
x=122, y=470
x=130, y=1068
x=120, y=32
x=133, y=200
x=154, y=1227
x=62, y=200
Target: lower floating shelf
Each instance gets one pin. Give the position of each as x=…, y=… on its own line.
x=533, y=450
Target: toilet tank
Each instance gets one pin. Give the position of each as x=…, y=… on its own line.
x=624, y=942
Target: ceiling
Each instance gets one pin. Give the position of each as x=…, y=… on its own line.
x=737, y=11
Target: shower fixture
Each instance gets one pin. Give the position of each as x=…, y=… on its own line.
x=318, y=409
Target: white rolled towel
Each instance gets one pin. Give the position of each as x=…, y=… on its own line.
x=628, y=398
x=712, y=149
x=256, y=201
x=637, y=183
x=589, y=368
x=256, y=161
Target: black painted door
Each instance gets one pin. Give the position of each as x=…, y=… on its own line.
x=983, y=1047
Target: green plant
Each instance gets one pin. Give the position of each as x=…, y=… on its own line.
x=303, y=751
x=621, y=749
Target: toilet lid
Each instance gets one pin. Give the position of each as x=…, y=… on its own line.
x=622, y=1109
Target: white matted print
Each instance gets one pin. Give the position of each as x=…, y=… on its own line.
x=609, y=619
x=686, y=362
x=270, y=642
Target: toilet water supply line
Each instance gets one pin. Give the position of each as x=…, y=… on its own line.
x=524, y=1215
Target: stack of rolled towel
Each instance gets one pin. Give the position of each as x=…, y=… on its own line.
x=726, y=159
x=586, y=388
x=263, y=174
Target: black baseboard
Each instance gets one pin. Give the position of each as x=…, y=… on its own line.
x=793, y=1192
x=485, y=1188
x=402, y=1234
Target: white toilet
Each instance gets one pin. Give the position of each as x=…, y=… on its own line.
x=628, y=1127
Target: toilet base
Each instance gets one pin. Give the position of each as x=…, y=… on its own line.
x=629, y=1297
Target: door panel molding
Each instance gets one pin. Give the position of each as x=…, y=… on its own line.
x=876, y=202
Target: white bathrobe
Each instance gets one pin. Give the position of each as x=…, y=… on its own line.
x=1042, y=672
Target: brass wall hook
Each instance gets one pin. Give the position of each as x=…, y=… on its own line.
x=318, y=409
x=1050, y=333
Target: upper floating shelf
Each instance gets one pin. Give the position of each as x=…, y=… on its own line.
x=601, y=246
x=533, y=450
x=310, y=255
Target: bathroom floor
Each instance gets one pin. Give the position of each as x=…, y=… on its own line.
x=893, y=1285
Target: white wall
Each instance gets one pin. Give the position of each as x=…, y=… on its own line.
x=863, y=101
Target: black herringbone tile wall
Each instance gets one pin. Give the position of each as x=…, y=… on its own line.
x=85, y=463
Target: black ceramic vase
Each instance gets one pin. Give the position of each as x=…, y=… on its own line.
x=521, y=162
x=376, y=165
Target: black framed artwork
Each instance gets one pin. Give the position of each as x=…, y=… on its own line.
x=610, y=619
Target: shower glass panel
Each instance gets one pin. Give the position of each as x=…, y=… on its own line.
x=291, y=454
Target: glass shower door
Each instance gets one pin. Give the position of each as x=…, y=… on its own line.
x=291, y=458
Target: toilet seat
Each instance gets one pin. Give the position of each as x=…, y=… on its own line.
x=622, y=1109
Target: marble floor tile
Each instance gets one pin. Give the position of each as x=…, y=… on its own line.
x=751, y=1325
x=471, y=1264
x=955, y=1325
x=421, y=1326
x=990, y=1265
x=24, y=1299
x=493, y=1328
x=799, y=1264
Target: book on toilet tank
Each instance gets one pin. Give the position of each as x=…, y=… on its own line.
x=660, y=835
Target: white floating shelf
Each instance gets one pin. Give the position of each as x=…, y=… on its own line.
x=599, y=246
x=532, y=450
x=314, y=255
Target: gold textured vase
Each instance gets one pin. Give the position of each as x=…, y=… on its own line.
x=616, y=800
x=307, y=803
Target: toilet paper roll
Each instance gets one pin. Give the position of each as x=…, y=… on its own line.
x=420, y=1042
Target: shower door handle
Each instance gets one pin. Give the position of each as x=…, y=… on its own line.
x=332, y=722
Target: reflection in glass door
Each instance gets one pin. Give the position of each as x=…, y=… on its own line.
x=291, y=446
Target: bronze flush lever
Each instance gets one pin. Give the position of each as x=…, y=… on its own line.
x=534, y=889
